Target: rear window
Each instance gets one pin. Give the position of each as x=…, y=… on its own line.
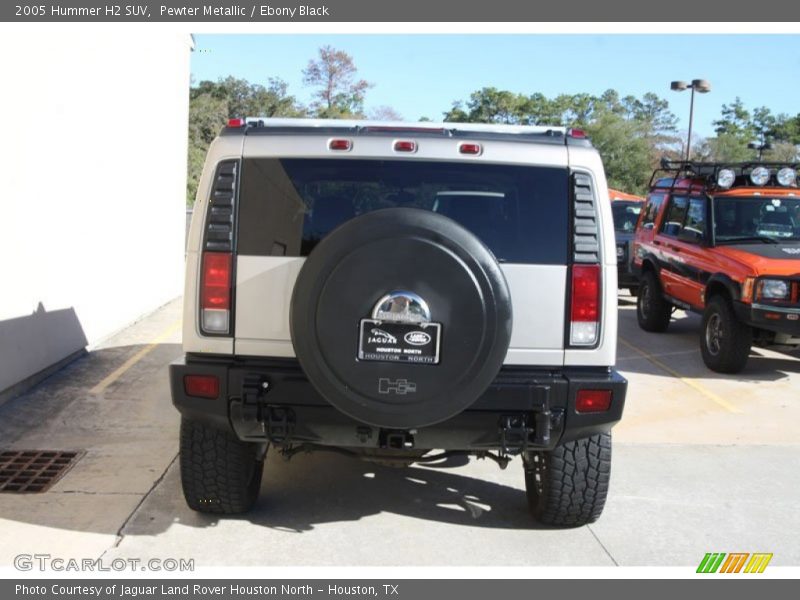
x=286, y=206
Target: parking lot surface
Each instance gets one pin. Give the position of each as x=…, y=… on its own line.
x=702, y=463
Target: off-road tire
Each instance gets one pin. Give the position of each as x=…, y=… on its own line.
x=220, y=474
x=652, y=311
x=567, y=487
x=728, y=354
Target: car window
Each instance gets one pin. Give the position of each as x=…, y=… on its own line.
x=625, y=215
x=695, y=226
x=654, y=202
x=755, y=218
x=676, y=213
x=520, y=212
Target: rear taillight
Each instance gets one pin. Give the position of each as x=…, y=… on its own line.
x=585, y=305
x=588, y=401
x=201, y=386
x=215, y=292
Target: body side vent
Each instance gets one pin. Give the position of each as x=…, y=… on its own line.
x=585, y=239
x=218, y=236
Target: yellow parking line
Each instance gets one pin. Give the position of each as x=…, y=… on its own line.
x=118, y=372
x=690, y=382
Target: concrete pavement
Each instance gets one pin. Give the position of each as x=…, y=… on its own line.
x=702, y=463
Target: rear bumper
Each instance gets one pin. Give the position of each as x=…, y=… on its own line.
x=523, y=407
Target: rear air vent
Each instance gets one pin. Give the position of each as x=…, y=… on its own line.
x=220, y=218
x=586, y=245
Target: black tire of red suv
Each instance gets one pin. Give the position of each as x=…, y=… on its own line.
x=220, y=474
x=724, y=340
x=652, y=311
x=568, y=486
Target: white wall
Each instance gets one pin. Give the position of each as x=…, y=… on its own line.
x=93, y=171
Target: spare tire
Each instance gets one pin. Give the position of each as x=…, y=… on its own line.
x=456, y=284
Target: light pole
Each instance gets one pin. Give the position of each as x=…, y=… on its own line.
x=702, y=86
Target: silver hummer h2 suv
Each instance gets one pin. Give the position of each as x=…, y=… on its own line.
x=400, y=293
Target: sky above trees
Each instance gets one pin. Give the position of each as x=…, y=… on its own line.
x=631, y=132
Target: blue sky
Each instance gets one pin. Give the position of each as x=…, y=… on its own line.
x=421, y=75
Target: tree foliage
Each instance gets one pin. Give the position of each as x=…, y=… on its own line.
x=630, y=133
x=339, y=93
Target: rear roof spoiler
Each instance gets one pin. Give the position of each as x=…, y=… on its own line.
x=480, y=131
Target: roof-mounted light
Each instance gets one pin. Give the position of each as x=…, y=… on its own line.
x=787, y=177
x=236, y=122
x=759, y=176
x=470, y=148
x=340, y=145
x=725, y=178
x=578, y=134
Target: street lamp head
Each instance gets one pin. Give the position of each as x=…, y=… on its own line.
x=678, y=86
x=701, y=85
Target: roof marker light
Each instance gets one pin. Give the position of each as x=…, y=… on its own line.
x=340, y=145
x=578, y=134
x=725, y=178
x=759, y=176
x=236, y=122
x=405, y=146
x=469, y=148
x=787, y=177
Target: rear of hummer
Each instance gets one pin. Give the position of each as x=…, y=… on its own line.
x=400, y=293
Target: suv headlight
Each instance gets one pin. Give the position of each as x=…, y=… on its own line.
x=775, y=289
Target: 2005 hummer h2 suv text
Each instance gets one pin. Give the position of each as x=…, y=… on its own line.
x=400, y=293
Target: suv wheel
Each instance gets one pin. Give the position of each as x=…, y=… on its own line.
x=567, y=487
x=220, y=474
x=652, y=311
x=724, y=340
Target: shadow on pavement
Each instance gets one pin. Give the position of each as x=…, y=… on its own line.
x=321, y=488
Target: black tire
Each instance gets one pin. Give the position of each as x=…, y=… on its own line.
x=652, y=311
x=724, y=340
x=567, y=487
x=220, y=474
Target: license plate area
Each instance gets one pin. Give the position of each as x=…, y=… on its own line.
x=385, y=341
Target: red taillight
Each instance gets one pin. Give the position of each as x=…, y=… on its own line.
x=578, y=134
x=216, y=282
x=405, y=146
x=474, y=149
x=588, y=401
x=215, y=292
x=585, y=305
x=236, y=122
x=201, y=386
x=340, y=145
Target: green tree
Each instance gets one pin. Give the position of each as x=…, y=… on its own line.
x=339, y=93
x=735, y=121
x=207, y=115
x=212, y=103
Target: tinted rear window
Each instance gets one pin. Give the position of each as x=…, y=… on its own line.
x=286, y=206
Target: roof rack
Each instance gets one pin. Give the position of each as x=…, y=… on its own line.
x=690, y=169
x=278, y=126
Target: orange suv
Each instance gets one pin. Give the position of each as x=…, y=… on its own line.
x=722, y=240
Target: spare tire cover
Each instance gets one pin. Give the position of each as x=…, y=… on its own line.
x=357, y=265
